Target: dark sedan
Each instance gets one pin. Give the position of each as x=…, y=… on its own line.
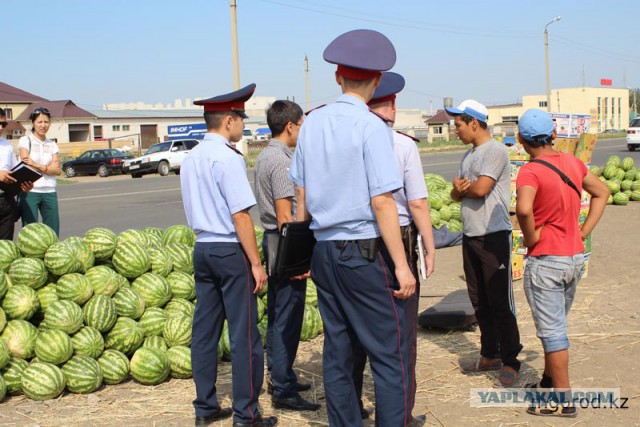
x=101, y=162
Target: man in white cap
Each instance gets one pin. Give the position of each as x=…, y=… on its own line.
x=484, y=188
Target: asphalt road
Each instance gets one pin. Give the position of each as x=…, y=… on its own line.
x=122, y=203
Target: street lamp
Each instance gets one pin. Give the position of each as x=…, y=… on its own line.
x=546, y=58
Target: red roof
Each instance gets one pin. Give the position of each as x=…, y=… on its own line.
x=9, y=94
x=440, y=117
x=58, y=109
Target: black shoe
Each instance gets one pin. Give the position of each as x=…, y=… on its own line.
x=220, y=414
x=300, y=387
x=365, y=413
x=260, y=422
x=296, y=403
x=418, y=421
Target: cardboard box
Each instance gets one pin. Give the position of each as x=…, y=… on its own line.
x=565, y=145
x=517, y=266
x=585, y=146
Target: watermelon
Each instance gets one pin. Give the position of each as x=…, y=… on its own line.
x=123, y=282
x=454, y=225
x=455, y=211
x=155, y=342
x=4, y=284
x=179, y=234
x=614, y=160
x=74, y=287
x=627, y=163
x=154, y=242
x=101, y=241
x=42, y=381
x=161, y=263
x=635, y=185
x=224, y=345
x=20, y=302
x=5, y=354
x=131, y=259
x=34, y=239
x=620, y=199
x=114, y=365
x=125, y=336
x=181, y=307
x=620, y=173
x=9, y=252
x=20, y=336
x=64, y=315
x=83, y=373
x=152, y=321
x=180, y=361
x=154, y=288
x=635, y=196
x=135, y=236
x=47, y=295
x=182, y=257
x=436, y=202
x=155, y=231
x=610, y=200
x=631, y=174
x=3, y=389
x=613, y=187
x=129, y=303
x=310, y=326
x=182, y=285
x=12, y=375
x=626, y=185
x=84, y=254
x=435, y=217
x=609, y=171
x=103, y=280
x=88, y=342
x=100, y=312
x=53, y=346
x=177, y=330
x=29, y=272
x=61, y=259
x=595, y=170
x=445, y=213
x=150, y=366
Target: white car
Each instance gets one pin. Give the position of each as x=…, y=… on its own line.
x=161, y=158
x=633, y=134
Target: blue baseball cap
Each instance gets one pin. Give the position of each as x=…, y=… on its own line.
x=471, y=108
x=361, y=54
x=390, y=84
x=535, y=125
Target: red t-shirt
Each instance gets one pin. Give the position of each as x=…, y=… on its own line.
x=556, y=205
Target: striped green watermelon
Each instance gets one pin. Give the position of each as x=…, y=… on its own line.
x=35, y=238
x=259, y=237
x=12, y=375
x=609, y=171
x=29, y=272
x=310, y=326
x=135, y=236
x=74, y=287
x=88, y=342
x=180, y=361
x=5, y=354
x=620, y=199
x=260, y=308
x=610, y=199
x=182, y=285
x=155, y=231
x=179, y=307
x=436, y=201
x=154, y=242
x=262, y=328
x=177, y=330
x=114, y=365
x=312, y=293
x=101, y=241
x=3, y=389
x=20, y=337
x=20, y=302
x=125, y=336
x=155, y=342
x=131, y=259
x=9, y=252
x=64, y=315
x=161, y=263
x=61, y=259
x=150, y=366
x=154, y=288
x=627, y=163
x=53, y=346
x=4, y=283
x=182, y=257
x=635, y=196
x=620, y=173
x=626, y=185
x=83, y=373
x=47, y=295
x=613, y=186
x=123, y=281
x=103, y=280
x=445, y=213
x=179, y=234
x=614, y=160
x=631, y=174
x=100, y=312
x=455, y=211
x=152, y=321
x=595, y=170
x=435, y=217
x=3, y=320
x=42, y=381
x=84, y=254
x=224, y=345
x=635, y=186
x=129, y=303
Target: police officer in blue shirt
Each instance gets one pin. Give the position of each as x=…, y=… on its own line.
x=228, y=271
x=345, y=172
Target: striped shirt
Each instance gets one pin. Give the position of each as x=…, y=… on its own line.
x=272, y=182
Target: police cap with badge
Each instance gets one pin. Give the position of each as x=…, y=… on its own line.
x=361, y=54
x=233, y=101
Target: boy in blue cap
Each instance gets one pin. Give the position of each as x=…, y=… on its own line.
x=548, y=211
x=228, y=271
x=345, y=172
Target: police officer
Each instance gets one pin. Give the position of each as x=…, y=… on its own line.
x=228, y=271
x=413, y=212
x=345, y=172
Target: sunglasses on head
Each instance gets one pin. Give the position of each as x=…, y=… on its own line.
x=40, y=110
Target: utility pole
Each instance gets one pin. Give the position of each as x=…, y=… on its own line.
x=306, y=83
x=546, y=59
x=234, y=45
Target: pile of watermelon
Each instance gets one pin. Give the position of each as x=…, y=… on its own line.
x=444, y=211
x=622, y=178
x=79, y=313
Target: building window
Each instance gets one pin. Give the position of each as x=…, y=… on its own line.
x=437, y=130
x=509, y=119
x=606, y=106
x=9, y=113
x=115, y=128
x=125, y=127
x=542, y=104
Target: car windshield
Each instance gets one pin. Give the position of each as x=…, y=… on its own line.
x=116, y=153
x=158, y=147
x=247, y=132
x=635, y=123
x=85, y=155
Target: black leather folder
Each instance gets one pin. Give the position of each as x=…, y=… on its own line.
x=295, y=249
x=22, y=173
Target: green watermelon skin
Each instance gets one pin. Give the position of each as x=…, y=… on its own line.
x=64, y=315
x=177, y=331
x=83, y=374
x=88, y=342
x=100, y=312
x=161, y=263
x=131, y=259
x=53, y=346
x=155, y=342
x=635, y=196
x=114, y=365
x=28, y=272
x=627, y=163
x=61, y=259
x=129, y=303
x=181, y=256
x=125, y=336
x=42, y=381
x=102, y=242
x=47, y=295
x=180, y=361
x=20, y=336
x=154, y=288
x=12, y=375
x=103, y=280
x=3, y=389
x=179, y=234
x=135, y=236
x=152, y=321
x=183, y=285
x=620, y=199
x=34, y=239
x=20, y=302
x=5, y=354
x=180, y=307
x=312, y=293
x=9, y=252
x=150, y=366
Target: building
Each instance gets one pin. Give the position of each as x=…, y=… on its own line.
x=440, y=127
x=68, y=121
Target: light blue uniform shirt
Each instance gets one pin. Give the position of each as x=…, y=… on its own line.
x=410, y=165
x=214, y=183
x=343, y=158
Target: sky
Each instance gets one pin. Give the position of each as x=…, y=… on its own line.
x=110, y=51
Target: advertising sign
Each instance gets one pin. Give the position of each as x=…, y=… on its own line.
x=571, y=125
x=195, y=131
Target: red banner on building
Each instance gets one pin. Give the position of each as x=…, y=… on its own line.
x=606, y=82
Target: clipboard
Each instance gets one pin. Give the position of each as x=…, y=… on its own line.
x=295, y=248
x=22, y=173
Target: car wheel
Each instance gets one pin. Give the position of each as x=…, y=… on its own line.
x=70, y=171
x=103, y=171
x=136, y=175
x=163, y=168
x=631, y=147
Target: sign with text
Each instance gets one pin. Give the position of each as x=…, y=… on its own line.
x=571, y=125
x=196, y=131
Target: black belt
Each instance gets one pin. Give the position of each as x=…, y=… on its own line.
x=368, y=247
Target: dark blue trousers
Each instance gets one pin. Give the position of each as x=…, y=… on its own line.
x=285, y=311
x=224, y=288
x=358, y=308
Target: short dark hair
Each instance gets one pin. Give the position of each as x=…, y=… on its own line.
x=467, y=119
x=280, y=113
x=540, y=141
x=213, y=119
x=3, y=113
x=37, y=112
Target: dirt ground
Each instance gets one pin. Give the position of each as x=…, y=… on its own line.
x=604, y=330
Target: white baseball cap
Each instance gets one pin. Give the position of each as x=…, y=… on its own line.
x=472, y=108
